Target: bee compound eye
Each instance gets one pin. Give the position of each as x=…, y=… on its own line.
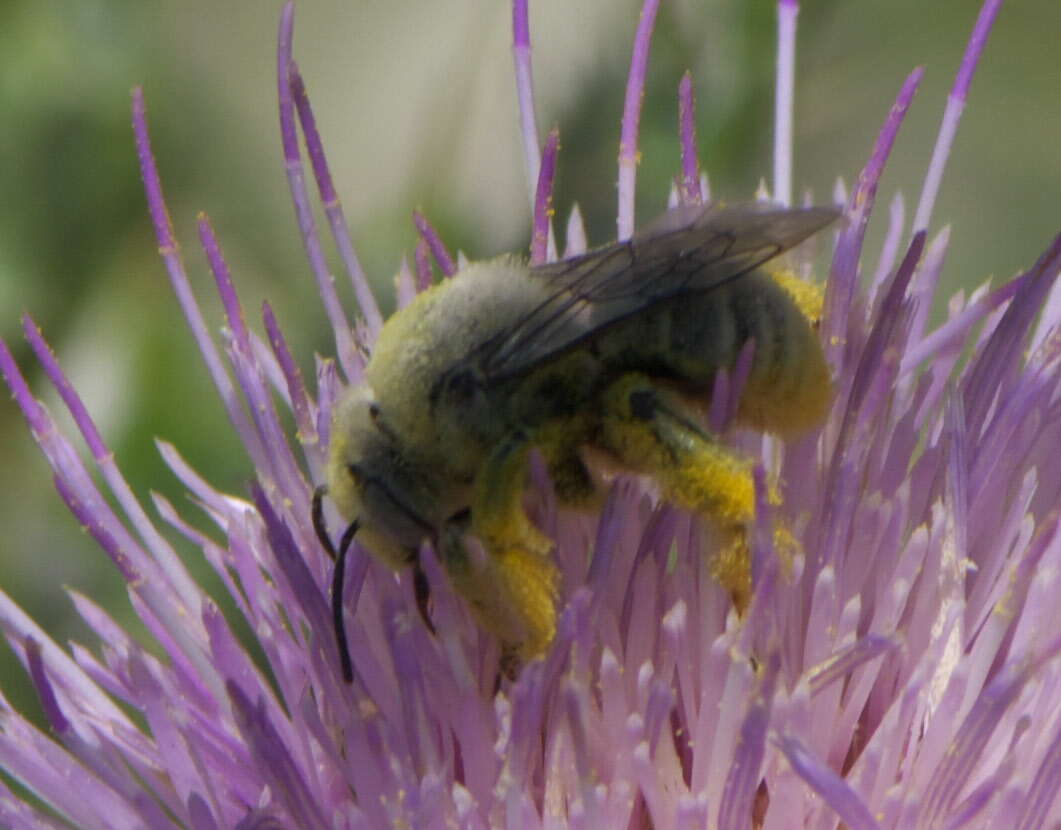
x=375, y=412
x=356, y=473
x=643, y=404
x=462, y=385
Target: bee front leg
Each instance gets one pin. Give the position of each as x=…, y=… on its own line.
x=512, y=590
x=655, y=433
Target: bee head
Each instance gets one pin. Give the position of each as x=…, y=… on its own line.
x=370, y=480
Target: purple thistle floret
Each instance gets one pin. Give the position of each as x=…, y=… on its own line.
x=899, y=670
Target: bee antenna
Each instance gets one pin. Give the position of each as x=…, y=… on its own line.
x=337, y=575
x=337, y=602
x=317, y=512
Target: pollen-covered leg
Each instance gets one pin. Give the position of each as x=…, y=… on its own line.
x=654, y=433
x=572, y=481
x=512, y=589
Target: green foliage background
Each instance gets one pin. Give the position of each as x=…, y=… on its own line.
x=414, y=116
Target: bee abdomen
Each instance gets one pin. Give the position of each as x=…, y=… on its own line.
x=788, y=390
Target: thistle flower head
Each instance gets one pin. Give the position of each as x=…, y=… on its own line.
x=895, y=666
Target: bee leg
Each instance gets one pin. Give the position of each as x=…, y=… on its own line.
x=512, y=590
x=572, y=481
x=656, y=434
x=422, y=592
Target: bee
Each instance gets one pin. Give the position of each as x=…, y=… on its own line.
x=612, y=354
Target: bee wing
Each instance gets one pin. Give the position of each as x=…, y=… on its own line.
x=687, y=250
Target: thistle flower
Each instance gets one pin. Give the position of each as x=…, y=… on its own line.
x=896, y=671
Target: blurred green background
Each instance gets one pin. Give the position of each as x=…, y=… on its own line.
x=416, y=106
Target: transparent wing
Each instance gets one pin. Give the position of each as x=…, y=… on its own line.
x=687, y=250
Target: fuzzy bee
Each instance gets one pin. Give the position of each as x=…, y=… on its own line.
x=609, y=355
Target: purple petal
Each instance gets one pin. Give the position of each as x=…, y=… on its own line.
x=279, y=767
x=844, y=273
x=421, y=256
x=952, y=114
x=689, y=188
x=179, y=281
x=952, y=774
x=1044, y=788
x=784, y=94
x=575, y=237
x=296, y=389
x=742, y=781
x=635, y=92
x=162, y=551
x=839, y=795
x=1000, y=356
x=296, y=179
x=843, y=662
x=434, y=242
x=333, y=208
x=45, y=692
x=521, y=54
x=543, y=201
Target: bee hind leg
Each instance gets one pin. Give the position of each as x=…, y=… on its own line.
x=572, y=480
x=512, y=589
x=422, y=593
x=655, y=433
